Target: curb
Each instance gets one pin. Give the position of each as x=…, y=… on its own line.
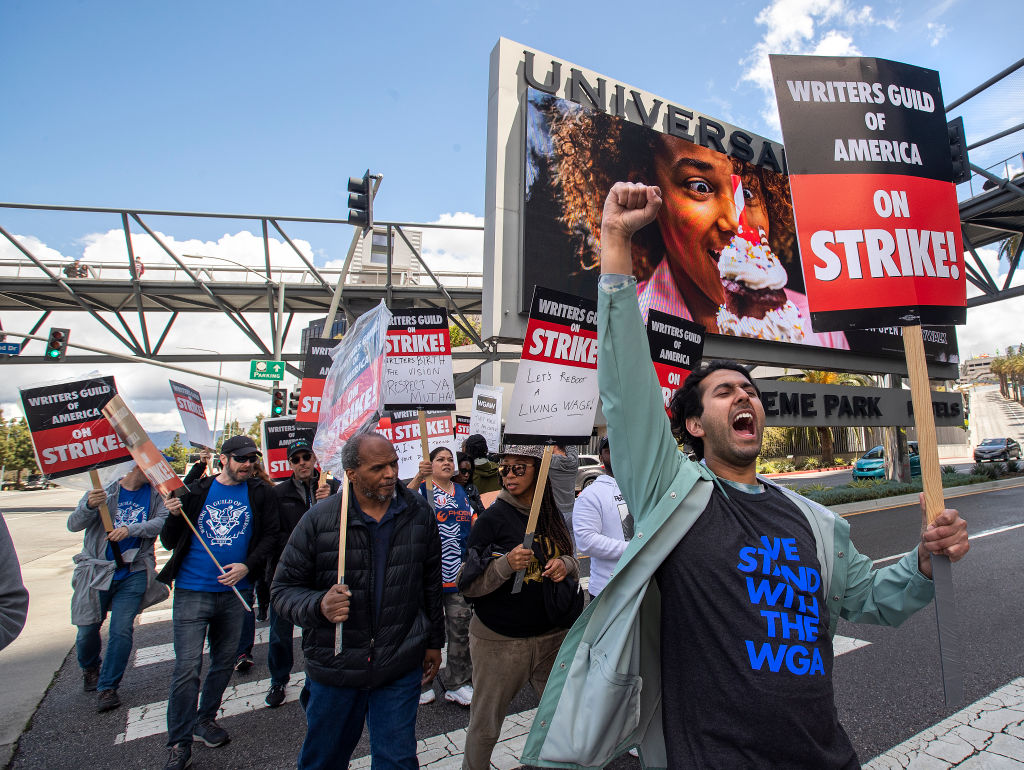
x=896, y=501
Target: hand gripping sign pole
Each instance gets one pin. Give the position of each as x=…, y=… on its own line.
x=108, y=524
x=931, y=480
x=155, y=466
x=531, y=523
x=351, y=402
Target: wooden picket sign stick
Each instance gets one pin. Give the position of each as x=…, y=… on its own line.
x=217, y=563
x=950, y=655
x=424, y=444
x=531, y=523
x=108, y=524
x=342, y=539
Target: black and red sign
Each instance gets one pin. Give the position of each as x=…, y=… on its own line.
x=279, y=434
x=69, y=432
x=461, y=428
x=676, y=349
x=402, y=429
x=871, y=179
x=315, y=366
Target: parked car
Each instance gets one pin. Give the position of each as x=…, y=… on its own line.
x=871, y=464
x=997, y=449
x=590, y=468
x=37, y=481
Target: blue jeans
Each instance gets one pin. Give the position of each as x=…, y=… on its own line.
x=335, y=717
x=196, y=616
x=247, y=637
x=280, y=652
x=122, y=601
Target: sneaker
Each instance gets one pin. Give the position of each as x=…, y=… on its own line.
x=244, y=663
x=275, y=696
x=211, y=733
x=179, y=757
x=261, y=614
x=634, y=753
x=107, y=701
x=427, y=696
x=463, y=696
x=90, y=678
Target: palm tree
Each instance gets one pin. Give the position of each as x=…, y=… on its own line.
x=827, y=378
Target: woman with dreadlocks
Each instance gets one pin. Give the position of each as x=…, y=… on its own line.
x=513, y=638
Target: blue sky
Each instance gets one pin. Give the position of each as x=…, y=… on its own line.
x=268, y=108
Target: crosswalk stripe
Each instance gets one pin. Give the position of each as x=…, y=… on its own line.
x=151, y=719
x=154, y=616
x=161, y=653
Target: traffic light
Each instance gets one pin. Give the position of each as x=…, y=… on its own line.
x=57, y=344
x=360, y=201
x=958, y=150
x=293, y=402
x=278, y=402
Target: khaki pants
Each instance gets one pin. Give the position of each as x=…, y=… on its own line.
x=502, y=666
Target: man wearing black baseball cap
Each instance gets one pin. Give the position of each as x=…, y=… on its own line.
x=238, y=520
x=295, y=495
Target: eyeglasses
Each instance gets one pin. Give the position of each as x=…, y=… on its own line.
x=252, y=459
x=519, y=469
x=300, y=457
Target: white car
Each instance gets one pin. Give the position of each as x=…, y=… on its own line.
x=590, y=468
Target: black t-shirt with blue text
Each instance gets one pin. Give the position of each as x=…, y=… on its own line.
x=745, y=649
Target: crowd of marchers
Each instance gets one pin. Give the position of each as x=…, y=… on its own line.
x=703, y=638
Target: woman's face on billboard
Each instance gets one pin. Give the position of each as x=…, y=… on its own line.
x=698, y=217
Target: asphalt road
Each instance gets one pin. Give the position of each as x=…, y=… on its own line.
x=886, y=691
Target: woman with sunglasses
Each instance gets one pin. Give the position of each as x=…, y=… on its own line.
x=455, y=517
x=513, y=638
x=464, y=478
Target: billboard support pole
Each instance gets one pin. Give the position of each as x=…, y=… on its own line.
x=931, y=478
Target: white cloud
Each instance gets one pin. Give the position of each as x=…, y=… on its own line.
x=455, y=250
x=936, y=32
x=818, y=27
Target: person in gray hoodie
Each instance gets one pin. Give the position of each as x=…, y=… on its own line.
x=100, y=585
x=13, y=595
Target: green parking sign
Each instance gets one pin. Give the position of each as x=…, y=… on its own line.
x=266, y=370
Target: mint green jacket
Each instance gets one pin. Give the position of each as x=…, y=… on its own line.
x=604, y=693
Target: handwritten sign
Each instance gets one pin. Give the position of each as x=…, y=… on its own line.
x=555, y=396
x=402, y=429
x=485, y=418
x=193, y=416
x=418, y=367
x=676, y=349
x=69, y=432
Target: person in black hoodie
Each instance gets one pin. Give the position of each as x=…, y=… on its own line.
x=237, y=517
x=295, y=495
x=390, y=606
x=513, y=638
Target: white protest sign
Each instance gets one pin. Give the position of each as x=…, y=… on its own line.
x=402, y=429
x=193, y=416
x=418, y=366
x=555, y=396
x=485, y=418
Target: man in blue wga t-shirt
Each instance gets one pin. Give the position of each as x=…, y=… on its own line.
x=100, y=586
x=236, y=516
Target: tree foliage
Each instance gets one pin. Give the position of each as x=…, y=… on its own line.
x=825, y=438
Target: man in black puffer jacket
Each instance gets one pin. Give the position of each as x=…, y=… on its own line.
x=390, y=605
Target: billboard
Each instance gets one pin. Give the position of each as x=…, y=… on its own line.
x=723, y=251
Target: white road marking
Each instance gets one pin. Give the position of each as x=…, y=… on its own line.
x=979, y=536
x=154, y=616
x=151, y=719
x=161, y=653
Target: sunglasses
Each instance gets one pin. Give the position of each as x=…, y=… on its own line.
x=252, y=459
x=519, y=469
x=300, y=457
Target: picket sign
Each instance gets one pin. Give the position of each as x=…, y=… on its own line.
x=108, y=524
x=531, y=523
x=424, y=440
